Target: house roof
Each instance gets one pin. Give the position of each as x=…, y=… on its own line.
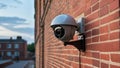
x=12, y=40
x=18, y=40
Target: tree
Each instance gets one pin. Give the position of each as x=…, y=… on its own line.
x=31, y=47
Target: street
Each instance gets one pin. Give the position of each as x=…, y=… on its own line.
x=22, y=64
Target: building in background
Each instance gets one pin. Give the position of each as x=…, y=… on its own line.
x=102, y=30
x=12, y=48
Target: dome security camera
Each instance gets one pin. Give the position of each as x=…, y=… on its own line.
x=64, y=27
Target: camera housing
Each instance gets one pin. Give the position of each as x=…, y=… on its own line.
x=64, y=27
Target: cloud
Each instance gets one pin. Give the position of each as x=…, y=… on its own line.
x=12, y=6
x=6, y=32
x=17, y=24
x=10, y=3
x=12, y=20
x=5, y=24
x=23, y=26
x=18, y=1
x=2, y=6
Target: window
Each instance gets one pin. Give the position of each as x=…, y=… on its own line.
x=2, y=53
x=16, y=53
x=9, y=54
x=9, y=46
x=16, y=46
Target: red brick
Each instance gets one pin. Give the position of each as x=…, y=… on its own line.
x=104, y=56
x=69, y=47
x=110, y=1
x=75, y=65
x=95, y=39
x=114, y=5
x=105, y=2
x=92, y=47
x=114, y=35
x=64, y=62
x=96, y=55
x=96, y=63
x=86, y=60
x=85, y=66
x=87, y=1
x=114, y=66
x=88, y=27
x=93, y=1
x=88, y=34
x=70, y=58
x=104, y=37
x=105, y=47
x=104, y=65
x=88, y=11
x=110, y=18
x=58, y=60
x=78, y=11
x=95, y=32
x=104, y=29
x=95, y=7
x=92, y=25
x=75, y=52
x=115, y=57
x=76, y=59
x=104, y=10
x=95, y=24
x=92, y=16
x=115, y=25
x=82, y=66
x=88, y=4
x=88, y=54
x=88, y=41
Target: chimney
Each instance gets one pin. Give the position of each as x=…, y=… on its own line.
x=10, y=38
x=19, y=37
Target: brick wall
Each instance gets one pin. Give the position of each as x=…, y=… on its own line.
x=102, y=30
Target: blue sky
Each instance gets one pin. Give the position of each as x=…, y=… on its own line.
x=17, y=19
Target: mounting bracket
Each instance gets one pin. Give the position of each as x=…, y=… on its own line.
x=79, y=44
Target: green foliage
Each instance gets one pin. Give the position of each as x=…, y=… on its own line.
x=31, y=47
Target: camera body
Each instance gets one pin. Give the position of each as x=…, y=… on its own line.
x=64, y=27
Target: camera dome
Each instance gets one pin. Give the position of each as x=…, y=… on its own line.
x=64, y=27
x=63, y=19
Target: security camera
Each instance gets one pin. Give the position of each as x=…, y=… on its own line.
x=64, y=27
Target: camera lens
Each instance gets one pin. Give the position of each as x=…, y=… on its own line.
x=59, y=32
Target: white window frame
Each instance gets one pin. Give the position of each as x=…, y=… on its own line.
x=9, y=45
x=16, y=46
x=9, y=53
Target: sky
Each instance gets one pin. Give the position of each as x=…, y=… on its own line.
x=17, y=19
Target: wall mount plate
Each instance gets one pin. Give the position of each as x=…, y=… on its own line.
x=81, y=25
